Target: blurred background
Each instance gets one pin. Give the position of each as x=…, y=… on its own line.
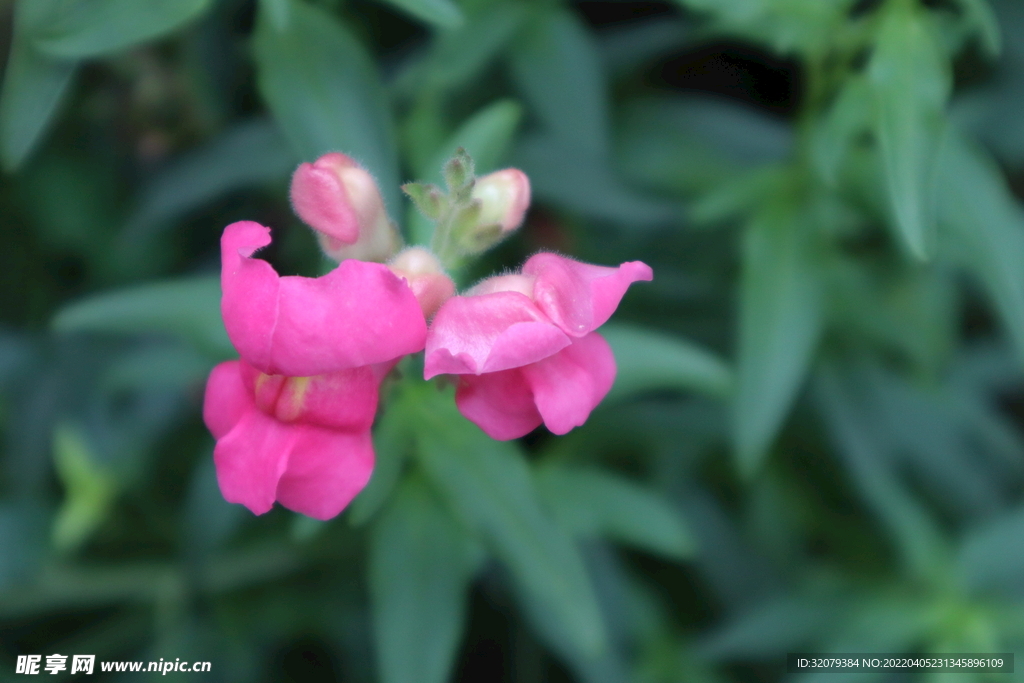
x=814, y=443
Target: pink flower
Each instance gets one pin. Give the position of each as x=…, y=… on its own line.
x=340, y=200
x=524, y=345
x=292, y=418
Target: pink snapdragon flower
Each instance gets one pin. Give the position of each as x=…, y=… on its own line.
x=292, y=418
x=524, y=345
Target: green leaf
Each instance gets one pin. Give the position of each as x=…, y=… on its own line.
x=985, y=229
x=649, y=360
x=324, y=90
x=868, y=459
x=247, y=154
x=440, y=13
x=34, y=85
x=459, y=56
x=488, y=483
x=186, y=307
x=771, y=628
x=420, y=566
x=88, y=490
x=589, y=503
x=832, y=136
x=87, y=28
x=557, y=68
x=780, y=320
x=910, y=83
x=992, y=555
x=392, y=440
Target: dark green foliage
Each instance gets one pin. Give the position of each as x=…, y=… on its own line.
x=814, y=441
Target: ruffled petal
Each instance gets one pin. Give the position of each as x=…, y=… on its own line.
x=488, y=333
x=579, y=297
x=251, y=458
x=326, y=470
x=500, y=403
x=567, y=386
x=358, y=314
x=226, y=400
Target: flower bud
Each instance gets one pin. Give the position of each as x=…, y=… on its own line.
x=504, y=197
x=340, y=200
x=425, y=276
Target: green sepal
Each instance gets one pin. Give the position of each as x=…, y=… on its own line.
x=428, y=198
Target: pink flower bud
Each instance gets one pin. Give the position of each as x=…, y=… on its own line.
x=425, y=277
x=505, y=197
x=340, y=200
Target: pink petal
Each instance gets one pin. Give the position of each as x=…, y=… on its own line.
x=346, y=399
x=570, y=384
x=251, y=458
x=321, y=201
x=227, y=398
x=579, y=297
x=500, y=403
x=488, y=333
x=326, y=470
x=358, y=314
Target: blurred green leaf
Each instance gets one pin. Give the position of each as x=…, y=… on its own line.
x=910, y=83
x=649, y=360
x=780, y=320
x=33, y=87
x=324, y=90
x=589, y=503
x=991, y=555
x=985, y=229
x=851, y=423
x=489, y=485
x=247, y=154
x=186, y=307
x=174, y=366
x=440, y=13
x=88, y=28
x=420, y=565
x=88, y=490
x=578, y=180
x=392, y=440
x=831, y=137
x=774, y=627
x=556, y=66
x=207, y=520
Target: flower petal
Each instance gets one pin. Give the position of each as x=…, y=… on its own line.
x=567, y=386
x=579, y=297
x=321, y=200
x=326, y=470
x=358, y=314
x=227, y=398
x=500, y=403
x=488, y=333
x=251, y=458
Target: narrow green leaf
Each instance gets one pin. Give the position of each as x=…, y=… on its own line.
x=187, y=307
x=324, y=90
x=420, y=565
x=392, y=440
x=247, y=154
x=780, y=319
x=772, y=628
x=590, y=503
x=557, y=68
x=868, y=459
x=88, y=490
x=910, y=83
x=87, y=28
x=34, y=85
x=985, y=229
x=649, y=360
x=992, y=555
x=440, y=13
x=488, y=483
x=460, y=55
